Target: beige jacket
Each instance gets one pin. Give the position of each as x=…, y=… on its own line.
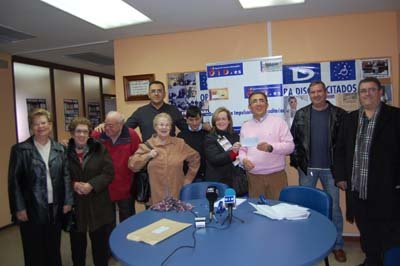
x=166, y=169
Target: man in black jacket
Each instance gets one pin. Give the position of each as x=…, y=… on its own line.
x=367, y=166
x=314, y=131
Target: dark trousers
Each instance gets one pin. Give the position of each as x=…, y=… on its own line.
x=99, y=241
x=375, y=236
x=126, y=208
x=41, y=243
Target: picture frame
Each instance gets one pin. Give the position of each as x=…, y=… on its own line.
x=136, y=87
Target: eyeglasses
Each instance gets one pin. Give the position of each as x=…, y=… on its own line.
x=368, y=90
x=159, y=91
x=84, y=132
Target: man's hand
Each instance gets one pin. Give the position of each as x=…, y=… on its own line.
x=264, y=146
x=100, y=128
x=248, y=165
x=22, y=216
x=342, y=185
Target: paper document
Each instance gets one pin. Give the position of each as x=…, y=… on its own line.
x=249, y=142
x=157, y=231
x=282, y=211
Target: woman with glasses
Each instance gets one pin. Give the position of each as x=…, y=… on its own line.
x=39, y=190
x=165, y=160
x=91, y=172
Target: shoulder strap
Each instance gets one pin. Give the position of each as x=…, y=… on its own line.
x=148, y=145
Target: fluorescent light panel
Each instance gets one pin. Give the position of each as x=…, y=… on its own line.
x=247, y=4
x=106, y=14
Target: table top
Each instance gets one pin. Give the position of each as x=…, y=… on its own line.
x=257, y=241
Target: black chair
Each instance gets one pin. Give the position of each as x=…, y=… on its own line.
x=198, y=190
x=392, y=257
x=312, y=198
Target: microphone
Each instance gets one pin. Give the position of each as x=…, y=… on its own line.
x=212, y=196
x=230, y=201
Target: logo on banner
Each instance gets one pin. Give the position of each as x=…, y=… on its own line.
x=203, y=81
x=343, y=70
x=274, y=90
x=304, y=73
x=225, y=70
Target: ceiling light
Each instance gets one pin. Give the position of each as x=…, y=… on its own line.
x=105, y=14
x=247, y=4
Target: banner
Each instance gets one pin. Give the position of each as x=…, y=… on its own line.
x=231, y=83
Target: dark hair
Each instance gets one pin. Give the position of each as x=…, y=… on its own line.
x=316, y=82
x=290, y=98
x=39, y=112
x=371, y=79
x=193, y=111
x=214, y=118
x=79, y=121
x=260, y=93
x=157, y=82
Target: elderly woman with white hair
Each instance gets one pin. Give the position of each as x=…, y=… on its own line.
x=165, y=160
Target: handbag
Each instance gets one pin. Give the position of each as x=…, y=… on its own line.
x=69, y=223
x=239, y=181
x=141, y=186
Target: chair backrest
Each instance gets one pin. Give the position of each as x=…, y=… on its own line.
x=392, y=257
x=198, y=190
x=312, y=198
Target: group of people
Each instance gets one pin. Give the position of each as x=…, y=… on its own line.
x=94, y=173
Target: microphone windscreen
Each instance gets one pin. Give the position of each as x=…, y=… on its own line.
x=211, y=193
x=230, y=192
x=230, y=196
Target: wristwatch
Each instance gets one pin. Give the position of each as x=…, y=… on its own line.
x=270, y=148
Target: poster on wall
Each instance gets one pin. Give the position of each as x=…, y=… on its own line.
x=94, y=113
x=231, y=83
x=33, y=104
x=189, y=88
x=71, y=110
x=341, y=79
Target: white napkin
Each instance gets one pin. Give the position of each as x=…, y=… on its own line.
x=282, y=211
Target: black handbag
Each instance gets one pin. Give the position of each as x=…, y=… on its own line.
x=69, y=221
x=141, y=186
x=239, y=181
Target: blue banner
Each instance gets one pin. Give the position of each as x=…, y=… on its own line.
x=273, y=90
x=302, y=73
x=343, y=70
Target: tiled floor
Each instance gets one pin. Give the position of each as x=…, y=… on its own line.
x=11, y=251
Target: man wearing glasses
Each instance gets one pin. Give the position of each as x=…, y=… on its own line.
x=367, y=167
x=143, y=116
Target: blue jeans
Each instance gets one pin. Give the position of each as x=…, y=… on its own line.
x=328, y=183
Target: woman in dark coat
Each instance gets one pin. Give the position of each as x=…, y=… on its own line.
x=39, y=190
x=221, y=148
x=91, y=171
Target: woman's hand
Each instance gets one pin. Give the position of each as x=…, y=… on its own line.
x=67, y=208
x=152, y=154
x=235, y=147
x=82, y=188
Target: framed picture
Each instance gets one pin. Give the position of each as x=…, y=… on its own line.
x=137, y=86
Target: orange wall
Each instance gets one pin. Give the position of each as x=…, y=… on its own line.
x=8, y=136
x=307, y=40
x=187, y=51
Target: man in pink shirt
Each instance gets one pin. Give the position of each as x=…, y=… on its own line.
x=266, y=140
